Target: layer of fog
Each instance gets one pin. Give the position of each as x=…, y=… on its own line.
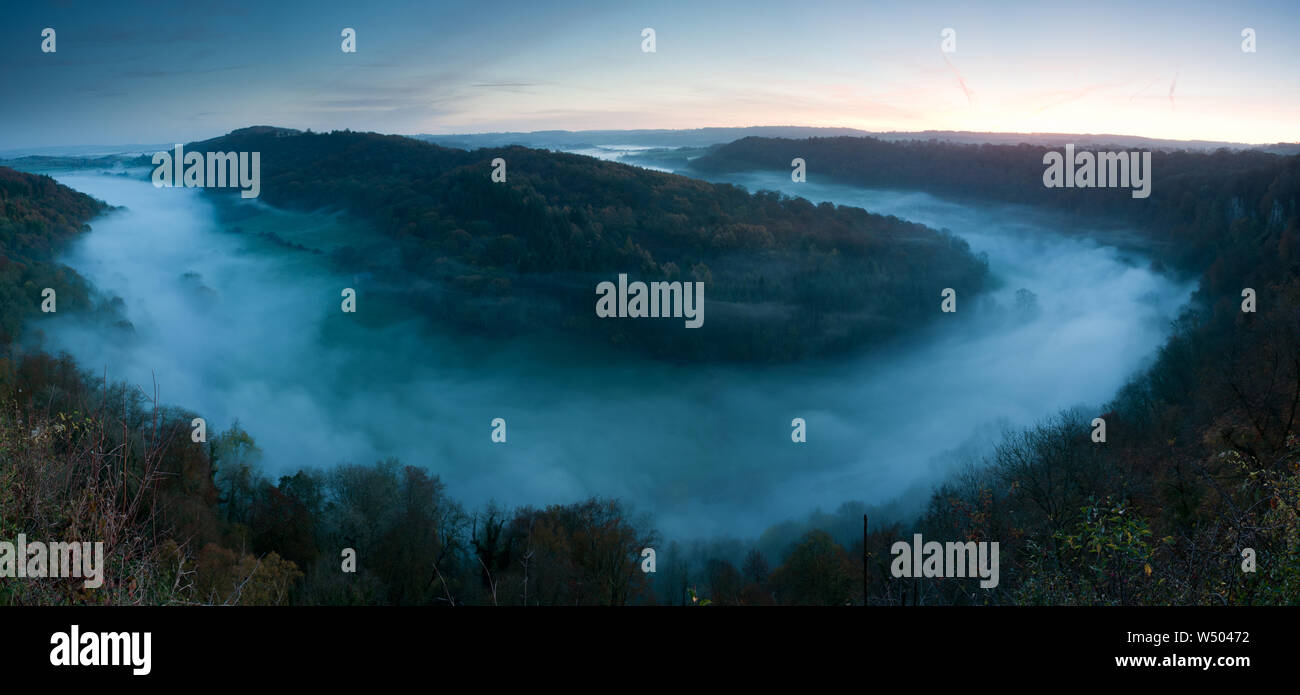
x=233, y=326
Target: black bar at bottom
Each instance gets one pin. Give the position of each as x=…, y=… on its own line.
x=333, y=645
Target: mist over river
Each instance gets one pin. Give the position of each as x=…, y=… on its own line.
x=235, y=326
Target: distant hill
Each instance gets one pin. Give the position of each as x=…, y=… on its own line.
x=1092, y=140
x=704, y=137
x=42, y=164
x=570, y=139
x=784, y=278
x=81, y=151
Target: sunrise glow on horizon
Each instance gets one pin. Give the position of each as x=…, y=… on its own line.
x=160, y=75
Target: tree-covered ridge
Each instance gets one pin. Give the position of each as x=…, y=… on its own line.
x=1193, y=194
x=38, y=217
x=784, y=278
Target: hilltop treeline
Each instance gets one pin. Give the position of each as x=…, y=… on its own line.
x=783, y=278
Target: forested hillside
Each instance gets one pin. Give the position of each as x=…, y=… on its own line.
x=1202, y=460
x=37, y=216
x=783, y=278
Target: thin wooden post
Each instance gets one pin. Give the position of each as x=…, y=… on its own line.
x=864, y=559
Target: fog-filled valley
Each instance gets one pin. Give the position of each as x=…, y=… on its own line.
x=972, y=361
x=233, y=310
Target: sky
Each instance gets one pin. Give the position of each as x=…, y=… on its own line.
x=161, y=72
